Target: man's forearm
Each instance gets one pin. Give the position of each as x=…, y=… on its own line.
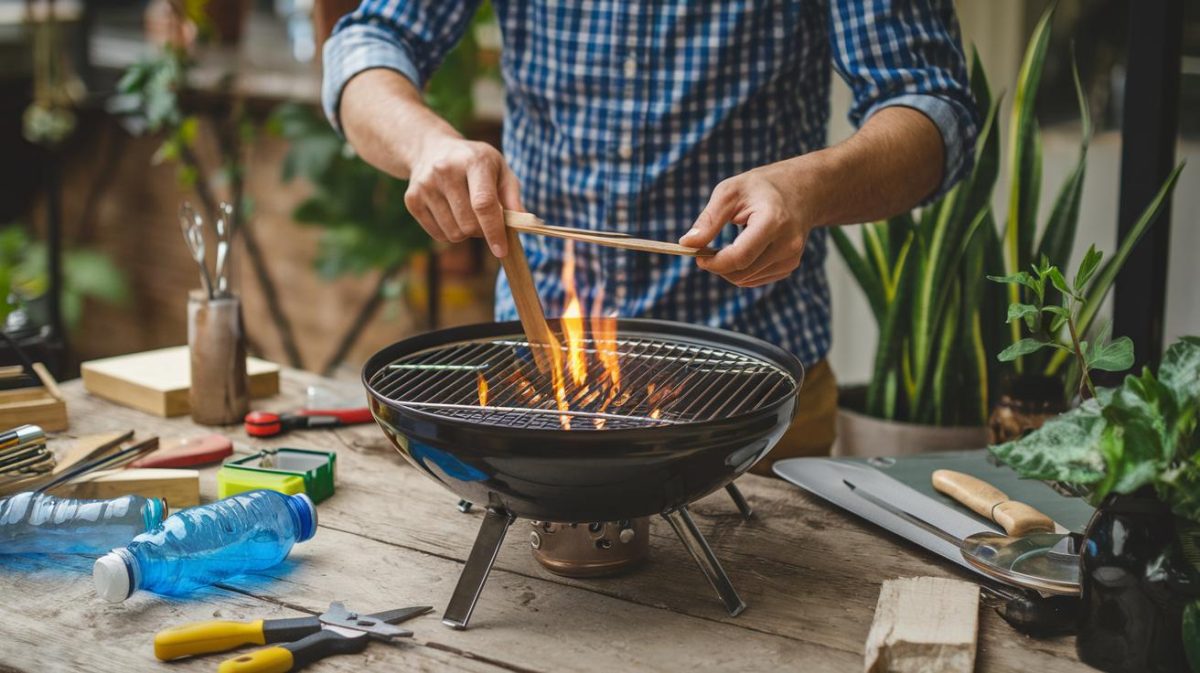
x=387, y=121
x=891, y=164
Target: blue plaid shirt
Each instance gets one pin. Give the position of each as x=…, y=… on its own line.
x=623, y=115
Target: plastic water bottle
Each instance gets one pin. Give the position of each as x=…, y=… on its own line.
x=36, y=523
x=203, y=545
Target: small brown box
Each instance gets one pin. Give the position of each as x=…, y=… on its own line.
x=42, y=405
x=158, y=381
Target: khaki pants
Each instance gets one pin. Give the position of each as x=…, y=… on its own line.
x=813, y=431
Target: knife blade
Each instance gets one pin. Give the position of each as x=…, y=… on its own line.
x=906, y=511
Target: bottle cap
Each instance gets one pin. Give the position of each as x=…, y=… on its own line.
x=307, y=512
x=113, y=575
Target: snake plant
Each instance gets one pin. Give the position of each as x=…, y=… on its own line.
x=924, y=273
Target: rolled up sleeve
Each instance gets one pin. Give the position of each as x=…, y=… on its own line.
x=411, y=37
x=908, y=53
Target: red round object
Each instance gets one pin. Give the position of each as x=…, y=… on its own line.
x=263, y=424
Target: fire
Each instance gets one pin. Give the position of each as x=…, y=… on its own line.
x=483, y=389
x=575, y=371
x=572, y=320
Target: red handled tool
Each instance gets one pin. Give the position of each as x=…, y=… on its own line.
x=268, y=424
x=187, y=452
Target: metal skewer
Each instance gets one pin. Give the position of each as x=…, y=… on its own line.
x=224, y=227
x=192, y=226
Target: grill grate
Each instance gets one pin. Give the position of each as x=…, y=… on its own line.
x=662, y=382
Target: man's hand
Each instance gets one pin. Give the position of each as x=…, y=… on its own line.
x=458, y=188
x=891, y=163
x=769, y=202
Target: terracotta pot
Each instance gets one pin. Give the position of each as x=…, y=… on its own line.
x=1025, y=404
x=865, y=436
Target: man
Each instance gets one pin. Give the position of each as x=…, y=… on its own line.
x=669, y=117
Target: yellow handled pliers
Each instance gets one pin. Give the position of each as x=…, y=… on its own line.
x=303, y=640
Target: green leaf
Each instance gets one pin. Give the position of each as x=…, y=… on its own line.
x=1112, y=357
x=1021, y=311
x=1065, y=448
x=1059, y=235
x=1057, y=280
x=1180, y=371
x=1087, y=268
x=1023, y=347
x=863, y=273
x=1018, y=278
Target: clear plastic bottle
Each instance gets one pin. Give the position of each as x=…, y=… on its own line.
x=36, y=523
x=203, y=545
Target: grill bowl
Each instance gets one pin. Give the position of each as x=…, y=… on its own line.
x=552, y=474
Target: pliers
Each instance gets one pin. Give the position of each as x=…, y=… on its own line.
x=303, y=640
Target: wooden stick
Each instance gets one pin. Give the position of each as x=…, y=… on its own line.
x=924, y=625
x=530, y=223
x=542, y=341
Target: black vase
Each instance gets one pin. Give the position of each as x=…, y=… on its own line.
x=1135, y=584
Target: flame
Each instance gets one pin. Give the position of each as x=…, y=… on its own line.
x=656, y=414
x=604, y=336
x=483, y=389
x=572, y=320
x=571, y=378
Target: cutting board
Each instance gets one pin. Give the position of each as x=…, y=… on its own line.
x=917, y=472
x=158, y=381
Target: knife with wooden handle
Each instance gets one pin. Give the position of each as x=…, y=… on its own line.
x=1017, y=518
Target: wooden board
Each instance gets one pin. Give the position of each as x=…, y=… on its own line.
x=391, y=537
x=42, y=406
x=924, y=625
x=158, y=381
x=180, y=488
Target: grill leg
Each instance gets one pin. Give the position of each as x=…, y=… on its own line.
x=690, y=535
x=739, y=500
x=479, y=564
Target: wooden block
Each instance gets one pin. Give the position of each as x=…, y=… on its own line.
x=158, y=381
x=924, y=625
x=180, y=488
x=42, y=406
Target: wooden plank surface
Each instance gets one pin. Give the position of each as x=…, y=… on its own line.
x=390, y=537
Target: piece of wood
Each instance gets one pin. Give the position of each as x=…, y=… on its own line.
x=924, y=625
x=547, y=353
x=43, y=406
x=158, y=381
x=531, y=224
x=1017, y=518
x=179, y=487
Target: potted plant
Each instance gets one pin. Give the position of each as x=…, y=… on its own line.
x=933, y=385
x=1135, y=452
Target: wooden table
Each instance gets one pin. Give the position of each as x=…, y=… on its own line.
x=390, y=537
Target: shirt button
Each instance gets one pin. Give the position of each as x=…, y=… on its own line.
x=630, y=67
x=625, y=152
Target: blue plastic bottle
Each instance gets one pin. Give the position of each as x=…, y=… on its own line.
x=203, y=545
x=36, y=523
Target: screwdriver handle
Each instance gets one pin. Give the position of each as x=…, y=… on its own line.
x=204, y=637
x=294, y=656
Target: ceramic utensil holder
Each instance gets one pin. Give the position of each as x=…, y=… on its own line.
x=219, y=392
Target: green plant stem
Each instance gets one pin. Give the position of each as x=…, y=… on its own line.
x=1084, y=379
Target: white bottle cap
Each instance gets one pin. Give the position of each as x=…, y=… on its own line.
x=114, y=576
